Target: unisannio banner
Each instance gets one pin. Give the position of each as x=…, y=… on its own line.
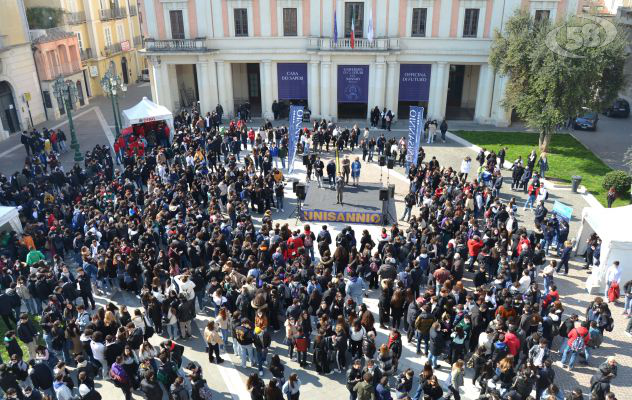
x=353, y=84
x=414, y=82
x=296, y=123
x=292, y=78
x=415, y=124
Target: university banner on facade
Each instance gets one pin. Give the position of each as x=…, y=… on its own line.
x=358, y=217
x=296, y=123
x=414, y=82
x=415, y=125
x=353, y=84
x=292, y=79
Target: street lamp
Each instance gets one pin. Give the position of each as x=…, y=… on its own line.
x=113, y=86
x=66, y=93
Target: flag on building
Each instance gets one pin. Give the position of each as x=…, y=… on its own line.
x=369, y=29
x=335, y=28
x=352, y=42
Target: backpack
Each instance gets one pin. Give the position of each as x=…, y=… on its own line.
x=578, y=344
x=240, y=334
x=205, y=393
x=596, y=338
x=308, y=241
x=610, y=325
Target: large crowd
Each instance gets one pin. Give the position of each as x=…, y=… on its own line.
x=174, y=226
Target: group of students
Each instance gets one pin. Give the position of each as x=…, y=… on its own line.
x=175, y=227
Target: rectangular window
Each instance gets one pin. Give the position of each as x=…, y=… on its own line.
x=108, y=37
x=419, y=22
x=354, y=11
x=120, y=31
x=177, y=24
x=241, y=22
x=289, y=22
x=79, y=40
x=542, y=15
x=470, y=24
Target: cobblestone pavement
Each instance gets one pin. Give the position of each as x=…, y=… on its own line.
x=228, y=380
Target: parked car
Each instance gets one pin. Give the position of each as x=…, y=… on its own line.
x=144, y=75
x=620, y=108
x=587, y=120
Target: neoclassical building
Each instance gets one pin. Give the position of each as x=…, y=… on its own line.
x=432, y=53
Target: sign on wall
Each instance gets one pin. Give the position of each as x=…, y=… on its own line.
x=358, y=217
x=292, y=78
x=414, y=82
x=353, y=84
x=125, y=45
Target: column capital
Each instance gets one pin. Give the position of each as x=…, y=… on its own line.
x=392, y=63
x=266, y=61
x=219, y=61
x=442, y=63
x=314, y=62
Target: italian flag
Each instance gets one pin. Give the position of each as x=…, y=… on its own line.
x=352, y=32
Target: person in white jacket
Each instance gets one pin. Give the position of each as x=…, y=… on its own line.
x=466, y=166
x=185, y=285
x=62, y=391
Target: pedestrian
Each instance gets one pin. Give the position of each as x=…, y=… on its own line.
x=291, y=388
x=355, y=171
x=213, y=342
x=340, y=184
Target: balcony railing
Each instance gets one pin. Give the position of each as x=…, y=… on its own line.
x=176, y=45
x=112, y=13
x=86, y=54
x=75, y=18
x=138, y=41
x=112, y=49
x=360, y=44
x=133, y=11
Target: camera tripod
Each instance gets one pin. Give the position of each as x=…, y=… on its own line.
x=297, y=211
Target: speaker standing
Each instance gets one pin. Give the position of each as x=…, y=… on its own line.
x=355, y=171
x=340, y=184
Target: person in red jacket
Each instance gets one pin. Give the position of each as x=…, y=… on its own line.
x=512, y=341
x=523, y=240
x=577, y=341
x=474, y=246
x=294, y=243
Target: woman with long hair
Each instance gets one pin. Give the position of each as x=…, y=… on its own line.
x=273, y=391
x=397, y=307
x=291, y=387
x=255, y=386
x=223, y=324
x=213, y=341
x=456, y=379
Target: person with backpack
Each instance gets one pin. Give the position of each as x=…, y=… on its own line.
x=120, y=377
x=600, y=386
x=150, y=387
x=577, y=340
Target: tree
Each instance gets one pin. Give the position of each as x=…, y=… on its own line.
x=555, y=70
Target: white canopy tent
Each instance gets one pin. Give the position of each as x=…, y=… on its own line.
x=10, y=219
x=147, y=111
x=611, y=224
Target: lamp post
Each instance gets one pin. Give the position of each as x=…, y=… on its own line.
x=113, y=86
x=67, y=94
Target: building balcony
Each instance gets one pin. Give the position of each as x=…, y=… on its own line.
x=361, y=44
x=175, y=45
x=133, y=11
x=52, y=72
x=75, y=18
x=86, y=54
x=112, y=49
x=112, y=13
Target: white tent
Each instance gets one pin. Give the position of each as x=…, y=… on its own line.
x=10, y=218
x=611, y=224
x=147, y=111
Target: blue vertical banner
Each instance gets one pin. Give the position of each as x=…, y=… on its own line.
x=415, y=125
x=296, y=124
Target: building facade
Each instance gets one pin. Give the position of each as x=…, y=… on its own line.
x=432, y=53
x=106, y=30
x=20, y=98
x=56, y=54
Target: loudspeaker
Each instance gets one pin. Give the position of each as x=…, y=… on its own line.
x=382, y=161
x=294, y=183
x=305, y=159
x=383, y=194
x=300, y=191
x=390, y=164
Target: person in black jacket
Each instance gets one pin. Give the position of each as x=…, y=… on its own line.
x=150, y=387
x=85, y=288
x=354, y=376
x=544, y=378
x=186, y=312
x=9, y=381
x=27, y=334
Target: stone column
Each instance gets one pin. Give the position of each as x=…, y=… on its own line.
x=204, y=87
x=225, y=87
x=484, y=94
x=266, y=89
x=441, y=94
x=313, y=95
x=325, y=94
x=393, y=88
x=380, y=88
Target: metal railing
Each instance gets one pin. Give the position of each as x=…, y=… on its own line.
x=133, y=11
x=138, y=41
x=176, y=45
x=86, y=54
x=75, y=18
x=112, y=13
x=112, y=49
x=359, y=44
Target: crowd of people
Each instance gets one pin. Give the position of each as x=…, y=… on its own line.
x=462, y=281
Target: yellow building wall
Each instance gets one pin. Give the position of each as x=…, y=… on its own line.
x=11, y=24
